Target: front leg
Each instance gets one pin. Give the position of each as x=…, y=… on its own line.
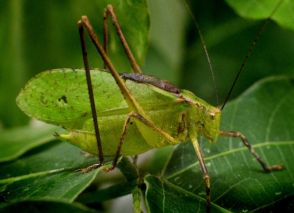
x=204, y=170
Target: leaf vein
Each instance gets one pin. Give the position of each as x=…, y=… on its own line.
x=272, y=116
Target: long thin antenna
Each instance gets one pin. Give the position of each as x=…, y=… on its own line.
x=204, y=48
x=250, y=51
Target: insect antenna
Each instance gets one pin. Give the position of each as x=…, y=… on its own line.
x=203, y=44
x=250, y=52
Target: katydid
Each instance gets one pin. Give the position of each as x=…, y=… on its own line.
x=135, y=112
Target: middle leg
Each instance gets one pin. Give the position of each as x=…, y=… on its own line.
x=135, y=116
x=204, y=172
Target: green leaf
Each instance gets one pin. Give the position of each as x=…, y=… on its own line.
x=265, y=115
x=111, y=192
x=46, y=206
x=47, y=172
x=261, y=9
x=17, y=141
x=163, y=196
x=128, y=169
x=137, y=197
x=44, y=35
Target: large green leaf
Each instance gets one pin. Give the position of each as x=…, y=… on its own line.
x=17, y=141
x=265, y=115
x=263, y=9
x=36, y=36
x=46, y=206
x=47, y=172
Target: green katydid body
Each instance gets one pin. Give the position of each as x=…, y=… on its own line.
x=60, y=97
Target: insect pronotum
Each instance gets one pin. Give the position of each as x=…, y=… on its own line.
x=146, y=112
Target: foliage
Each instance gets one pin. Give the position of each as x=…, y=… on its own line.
x=38, y=172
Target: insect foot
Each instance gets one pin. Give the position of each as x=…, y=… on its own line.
x=89, y=168
x=274, y=168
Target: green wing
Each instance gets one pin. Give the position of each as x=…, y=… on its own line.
x=60, y=97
